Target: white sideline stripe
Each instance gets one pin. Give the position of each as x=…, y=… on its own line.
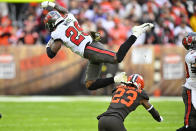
x=73, y=98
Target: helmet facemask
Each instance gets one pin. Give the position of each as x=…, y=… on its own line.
x=50, y=26
x=193, y=44
x=189, y=41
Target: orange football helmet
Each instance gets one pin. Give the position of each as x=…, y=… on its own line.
x=136, y=80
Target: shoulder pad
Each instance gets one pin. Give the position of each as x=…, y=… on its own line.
x=57, y=34
x=114, y=89
x=144, y=95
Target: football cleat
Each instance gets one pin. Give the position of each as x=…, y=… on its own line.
x=138, y=30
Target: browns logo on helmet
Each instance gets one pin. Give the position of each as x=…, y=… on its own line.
x=136, y=80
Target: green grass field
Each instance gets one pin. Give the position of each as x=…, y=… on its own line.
x=80, y=115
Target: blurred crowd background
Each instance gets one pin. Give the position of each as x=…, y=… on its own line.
x=26, y=69
x=22, y=23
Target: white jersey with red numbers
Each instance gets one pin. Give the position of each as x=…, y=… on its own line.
x=190, y=61
x=72, y=35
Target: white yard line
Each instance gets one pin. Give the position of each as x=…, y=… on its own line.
x=72, y=98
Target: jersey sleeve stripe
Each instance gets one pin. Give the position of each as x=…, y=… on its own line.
x=187, y=70
x=189, y=108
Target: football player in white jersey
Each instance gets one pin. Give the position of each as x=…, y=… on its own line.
x=189, y=88
x=65, y=30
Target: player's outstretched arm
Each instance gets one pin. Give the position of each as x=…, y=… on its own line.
x=53, y=47
x=152, y=110
x=48, y=5
x=60, y=9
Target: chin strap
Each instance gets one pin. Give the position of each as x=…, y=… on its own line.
x=59, y=21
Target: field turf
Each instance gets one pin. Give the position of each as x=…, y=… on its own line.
x=79, y=114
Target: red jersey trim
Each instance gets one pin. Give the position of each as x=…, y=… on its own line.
x=189, y=108
x=100, y=51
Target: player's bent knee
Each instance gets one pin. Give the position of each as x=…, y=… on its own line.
x=88, y=84
x=116, y=60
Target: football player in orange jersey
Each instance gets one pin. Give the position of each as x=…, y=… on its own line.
x=125, y=99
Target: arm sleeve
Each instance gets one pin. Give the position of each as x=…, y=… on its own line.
x=154, y=113
x=60, y=9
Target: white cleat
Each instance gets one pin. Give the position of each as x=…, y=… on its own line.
x=138, y=30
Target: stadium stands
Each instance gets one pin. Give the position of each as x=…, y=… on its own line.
x=23, y=23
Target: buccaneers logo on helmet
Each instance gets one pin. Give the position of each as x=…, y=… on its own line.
x=189, y=41
x=52, y=19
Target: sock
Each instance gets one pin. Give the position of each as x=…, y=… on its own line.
x=124, y=48
x=101, y=83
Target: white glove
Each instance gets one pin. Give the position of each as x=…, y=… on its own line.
x=120, y=77
x=161, y=118
x=46, y=4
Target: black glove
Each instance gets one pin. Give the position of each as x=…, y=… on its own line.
x=96, y=36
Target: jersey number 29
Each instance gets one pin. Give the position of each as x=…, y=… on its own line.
x=76, y=36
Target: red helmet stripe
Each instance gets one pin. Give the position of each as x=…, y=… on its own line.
x=189, y=39
x=48, y=17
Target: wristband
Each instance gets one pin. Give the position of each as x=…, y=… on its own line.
x=51, y=4
x=150, y=108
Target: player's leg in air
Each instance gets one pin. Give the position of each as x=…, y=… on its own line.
x=97, y=55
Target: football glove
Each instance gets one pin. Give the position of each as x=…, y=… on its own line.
x=121, y=77
x=96, y=36
x=46, y=4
